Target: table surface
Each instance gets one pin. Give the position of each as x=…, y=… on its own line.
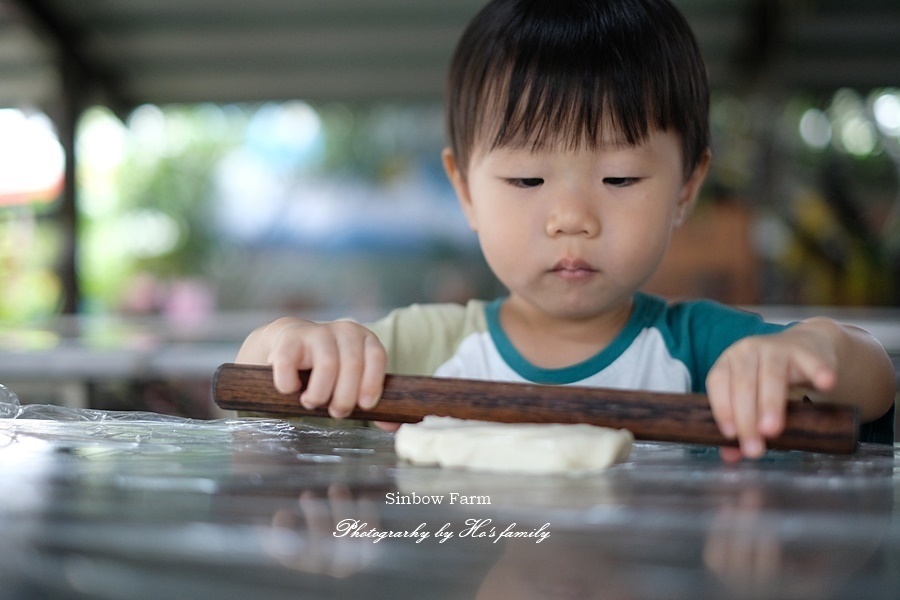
x=99, y=504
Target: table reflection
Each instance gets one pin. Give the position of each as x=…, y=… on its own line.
x=103, y=505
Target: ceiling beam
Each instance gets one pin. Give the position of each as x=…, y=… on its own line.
x=69, y=43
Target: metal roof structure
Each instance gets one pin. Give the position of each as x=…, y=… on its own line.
x=62, y=56
x=123, y=53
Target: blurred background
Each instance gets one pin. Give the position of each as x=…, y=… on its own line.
x=175, y=172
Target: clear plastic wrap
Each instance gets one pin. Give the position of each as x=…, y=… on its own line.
x=108, y=424
x=11, y=408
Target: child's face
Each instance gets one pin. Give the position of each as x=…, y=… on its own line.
x=575, y=233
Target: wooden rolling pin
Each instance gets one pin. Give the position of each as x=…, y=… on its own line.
x=648, y=415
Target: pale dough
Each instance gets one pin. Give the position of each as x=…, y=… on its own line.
x=519, y=448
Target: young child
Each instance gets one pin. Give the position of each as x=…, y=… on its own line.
x=578, y=141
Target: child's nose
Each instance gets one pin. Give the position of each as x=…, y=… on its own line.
x=572, y=214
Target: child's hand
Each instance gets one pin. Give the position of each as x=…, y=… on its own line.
x=346, y=359
x=750, y=383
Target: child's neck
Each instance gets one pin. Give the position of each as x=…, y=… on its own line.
x=552, y=342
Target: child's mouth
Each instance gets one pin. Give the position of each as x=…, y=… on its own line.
x=573, y=269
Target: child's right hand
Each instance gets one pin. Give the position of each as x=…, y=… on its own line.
x=347, y=362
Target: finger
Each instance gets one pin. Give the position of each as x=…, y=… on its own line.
x=714, y=551
x=741, y=552
x=281, y=540
x=325, y=362
x=318, y=528
x=286, y=376
x=348, y=558
x=336, y=560
x=744, y=388
x=729, y=454
x=387, y=425
x=289, y=354
x=368, y=512
x=372, y=383
x=317, y=515
x=341, y=502
x=768, y=557
x=346, y=387
x=284, y=519
x=714, y=556
x=718, y=388
x=773, y=391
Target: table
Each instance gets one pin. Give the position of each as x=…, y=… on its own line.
x=99, y=504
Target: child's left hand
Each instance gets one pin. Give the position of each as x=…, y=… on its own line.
x=750, y=383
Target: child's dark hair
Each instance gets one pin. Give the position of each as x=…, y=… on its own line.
x=536, y=72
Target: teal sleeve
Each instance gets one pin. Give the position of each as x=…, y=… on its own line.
x=702, y=331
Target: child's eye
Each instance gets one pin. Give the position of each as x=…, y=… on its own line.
x=525, y=182
x=620, y=181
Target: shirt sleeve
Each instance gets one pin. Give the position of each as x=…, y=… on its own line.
x=421, y=337
x=704, y=330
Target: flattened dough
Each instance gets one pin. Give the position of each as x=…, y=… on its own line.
x=518, y=448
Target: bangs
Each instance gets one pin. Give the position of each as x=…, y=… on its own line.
x=531, y=110
x=574, y=73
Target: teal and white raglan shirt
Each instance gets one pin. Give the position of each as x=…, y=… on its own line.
x=663, y=347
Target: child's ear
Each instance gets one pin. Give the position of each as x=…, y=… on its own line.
x=460, y=185
x=691, y=188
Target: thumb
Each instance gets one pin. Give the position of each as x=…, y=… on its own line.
x=810, y=369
